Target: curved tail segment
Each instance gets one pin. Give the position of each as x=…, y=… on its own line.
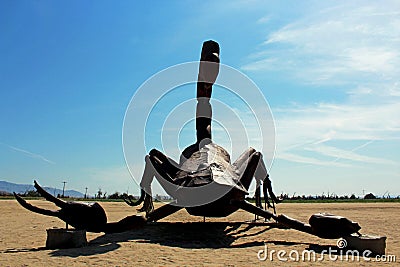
x=208, y=72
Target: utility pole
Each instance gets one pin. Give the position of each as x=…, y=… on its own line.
x=86, y=192
x=63, y=188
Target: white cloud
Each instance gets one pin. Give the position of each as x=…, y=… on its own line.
x=308, y=127
x=264, y=20
x=29, y=154
x=338, y=154
x=340, y=122
x=351, y=44
x=308, y=160
x=334, y=44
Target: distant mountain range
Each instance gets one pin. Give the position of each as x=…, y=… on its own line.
x=22, y=188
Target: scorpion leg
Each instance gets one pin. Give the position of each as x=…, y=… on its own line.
x=131, y=201
x=241, y=164
x=282, y=219
x=169, y=165
x=248, y=168
x=261, y=174
x=163, y=168
x=145, y=192
x=163, y=212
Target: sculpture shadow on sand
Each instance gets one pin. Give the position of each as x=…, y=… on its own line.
x=193, y=235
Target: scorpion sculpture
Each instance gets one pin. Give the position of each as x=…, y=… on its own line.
x=203, y=165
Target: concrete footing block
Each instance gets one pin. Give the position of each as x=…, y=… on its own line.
x=65, y=238
x=375, y=244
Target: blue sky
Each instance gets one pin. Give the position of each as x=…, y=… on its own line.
x=329, y=70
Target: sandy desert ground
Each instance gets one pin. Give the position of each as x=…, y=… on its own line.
x=185, y=240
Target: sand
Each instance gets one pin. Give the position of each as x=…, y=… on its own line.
x=183, y=240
